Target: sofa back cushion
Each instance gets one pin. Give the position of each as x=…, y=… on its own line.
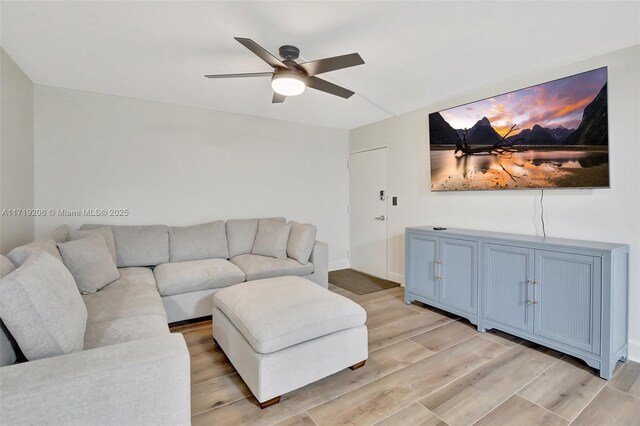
x=19, y=254
x=146, y=245
x=42, y=308
x=90, y=262
x=197, y=242
x=8, y=347
x=241, y=234
x=60, y=234
x=271, y=239
x=301, y=240
x=6, y=266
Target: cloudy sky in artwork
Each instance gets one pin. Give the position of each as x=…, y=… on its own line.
x=556, y=103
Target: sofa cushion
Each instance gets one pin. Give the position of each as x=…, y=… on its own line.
x=106, y=233
x=241, y=234
x=19, y=254
x=257, y=267
x=146, y=245
x=105, y=333
x=271, y=322
x=271, y=239
x=183, y=277
x=8, y=347
x=133, y=294
x=205, y=241
x=41, y=307
x=6, y=266
x=60, y=234
x=301, y=240
x=89, y=261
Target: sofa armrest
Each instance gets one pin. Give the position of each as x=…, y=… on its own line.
x=139, y=382
x=320, y=260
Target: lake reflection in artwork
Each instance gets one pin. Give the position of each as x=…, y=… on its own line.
x=518, y=170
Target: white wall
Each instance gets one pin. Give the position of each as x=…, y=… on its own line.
x=16, y=153
x=177, y=165
x=602, y=215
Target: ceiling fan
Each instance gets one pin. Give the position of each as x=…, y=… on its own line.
x=290, y=78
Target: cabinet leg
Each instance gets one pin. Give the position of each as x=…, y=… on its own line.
x=269, y=403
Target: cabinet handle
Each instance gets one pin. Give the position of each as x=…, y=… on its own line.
x=532, y=282
x=532, y=302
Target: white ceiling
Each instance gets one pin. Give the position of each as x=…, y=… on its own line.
x=416, y=53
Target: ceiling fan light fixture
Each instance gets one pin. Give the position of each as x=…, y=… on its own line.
x=287, y=84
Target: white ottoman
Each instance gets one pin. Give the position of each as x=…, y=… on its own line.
x=284, y=333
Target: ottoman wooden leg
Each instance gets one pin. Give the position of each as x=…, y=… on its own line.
x=270, y=402
x=358, y=365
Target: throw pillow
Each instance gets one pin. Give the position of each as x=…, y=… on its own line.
x=19, y=254
x=271, y=239
x=90, y=263
x=41, y=307
x=205, y=241
x=106, y=233
x=301, y=241
x=241, y=234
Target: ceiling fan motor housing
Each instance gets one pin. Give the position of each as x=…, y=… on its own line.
x=289, y=52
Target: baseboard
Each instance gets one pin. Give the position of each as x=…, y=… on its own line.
x=339, y=264
x=396, y=278
x=634, y=351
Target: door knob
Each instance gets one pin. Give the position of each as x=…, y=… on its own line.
x=379, y=218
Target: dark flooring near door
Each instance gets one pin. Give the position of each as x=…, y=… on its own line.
x=425, y=367
x=358, y=282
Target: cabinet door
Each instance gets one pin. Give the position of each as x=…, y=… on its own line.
x=567, y=293
x=421, y=272
x=459, y=274
x=508, y=285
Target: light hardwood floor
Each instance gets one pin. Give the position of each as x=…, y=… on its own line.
x=425, y=367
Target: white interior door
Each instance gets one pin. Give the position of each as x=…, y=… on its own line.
x=368, y=206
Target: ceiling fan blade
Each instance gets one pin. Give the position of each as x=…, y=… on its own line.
x=249, y=74
x=325, y=86
x=261, y=52
x=331, y=64
x=278, y=98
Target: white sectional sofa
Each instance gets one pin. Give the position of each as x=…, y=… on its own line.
x=130, y=368
x=192, y=263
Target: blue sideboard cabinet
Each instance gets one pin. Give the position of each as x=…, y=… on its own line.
x=566, y=294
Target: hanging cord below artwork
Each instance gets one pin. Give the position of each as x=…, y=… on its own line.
x=544, y=231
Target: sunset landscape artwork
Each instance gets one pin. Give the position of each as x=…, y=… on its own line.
x=552, y=135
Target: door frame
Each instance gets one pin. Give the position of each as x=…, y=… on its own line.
x=386, y=242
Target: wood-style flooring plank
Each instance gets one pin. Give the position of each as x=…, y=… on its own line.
x=446, y=336
x=469, y=398
x=414, y=415
x=380, y=363
x=565, y=389
x=202, y=334
x=503, y=338
x=301, y=419
x=385, y=311
x=209, y=364
x=399, y=330
x=218, y=391
x=610, y=407
x=627, y=379
x=381, y=398
x=519, y=411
